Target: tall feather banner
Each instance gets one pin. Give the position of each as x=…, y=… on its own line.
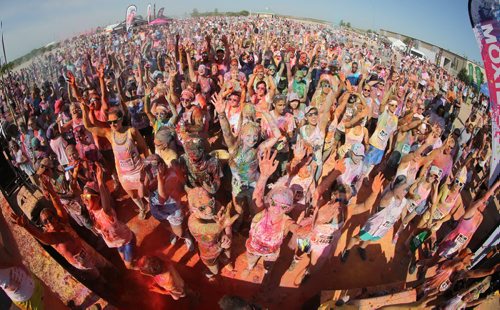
x=485, y=20
x=129, y=17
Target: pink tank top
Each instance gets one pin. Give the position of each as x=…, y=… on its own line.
x=266, y=238
x=127, y=158
x=461, y=235
x=113, y=232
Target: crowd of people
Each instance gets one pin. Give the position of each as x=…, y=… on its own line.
x=260, y=127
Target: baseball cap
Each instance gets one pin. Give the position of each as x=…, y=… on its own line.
x=310, y=108
x=293, y=97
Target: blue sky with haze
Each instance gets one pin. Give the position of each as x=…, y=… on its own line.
x=29, y=24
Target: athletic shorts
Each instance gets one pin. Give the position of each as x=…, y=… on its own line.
x=374, y=156
x=364, y=236
x=127, y=250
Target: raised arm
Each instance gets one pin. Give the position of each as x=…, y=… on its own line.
x=147, y=104
x=48, y=238
x=267, y=166
x=192, y=75
x=370, y=201
x=276, y=133
x=220, y=107
x=324, y=113
x=104, y=90
x=98, y=131
x=481, y=201
x=103, y=191
x=327, y=180
x=359, y=116
x=61, y=212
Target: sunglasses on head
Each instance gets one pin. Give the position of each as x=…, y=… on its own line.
x=210, y=204
x=114, y=122
x=87, y=196
x=47, y=220
x=283, y=206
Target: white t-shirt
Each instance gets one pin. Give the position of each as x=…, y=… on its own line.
x=17, y=283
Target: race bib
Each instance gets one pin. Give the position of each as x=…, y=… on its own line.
x=445, y=285
x=460, y=240
x=387, y=224
x=126, y=164
x=349, y=112
x=438, y=215
x=412, y=206
x=382, y=135
x=406, y=149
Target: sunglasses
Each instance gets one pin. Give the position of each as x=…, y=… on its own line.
x=366, y=89
x=210, y=204
x=161, y=114
x=47, y=220
x=459, y=183
x=283, y=206
x=325, y=85
x=261, y=88
x=87, y=196
x=185, y=100
x=312, y=114
x=114, y=122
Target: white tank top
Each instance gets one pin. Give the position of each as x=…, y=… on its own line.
x=17, y=283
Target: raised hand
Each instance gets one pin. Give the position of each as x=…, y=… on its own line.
x=267, y=163
x=219, y=103
x=99, y=173
x=299, y=150
x=71, y=78
x=225, y=242
x=224, y=219
x=342, y=76
x=224, y=39
x=377, y=183
x=19, y=220
x=100, y=71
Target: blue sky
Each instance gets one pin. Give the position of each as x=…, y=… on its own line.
x=29, y=24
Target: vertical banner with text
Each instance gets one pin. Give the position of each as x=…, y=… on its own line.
x=484, y=17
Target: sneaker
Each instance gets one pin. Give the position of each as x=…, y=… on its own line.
x=142, y=214
x=395, y=238
x=344, y=255
x=189, y=244
x=245, y=273
x=413, y=268
x=305, y=277
x=362, y=253
x=173, y=239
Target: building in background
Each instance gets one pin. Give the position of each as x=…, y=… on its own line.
x=450, y=61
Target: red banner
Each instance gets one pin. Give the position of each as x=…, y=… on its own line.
x=484, y=17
